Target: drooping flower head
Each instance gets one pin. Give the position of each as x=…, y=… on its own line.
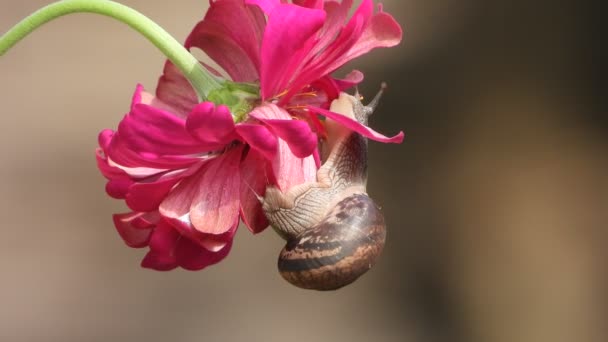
x=189, y=171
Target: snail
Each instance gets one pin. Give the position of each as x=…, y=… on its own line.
x=334, y=230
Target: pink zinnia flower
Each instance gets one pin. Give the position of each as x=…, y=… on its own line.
x=190, y=171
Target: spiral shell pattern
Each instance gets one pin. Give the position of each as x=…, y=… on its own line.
x=339, y=249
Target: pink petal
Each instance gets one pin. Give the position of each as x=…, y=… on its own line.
x=211, y=125
x=297, y=133
x=336, y=15
x=147, y=194
x=156, y=131
x=289, y=28
x=310, y=3
x=290, y=170
x=135, y=228
x=118, y=188
x=363, y=33
x=144, y=164
x=326, y=85
x=207, y=201
x=175, y=90
x=259, y=138
x=266, y=5
x=105, y=138
x=175, y=210
x=151, y=139
x=163, y=244
x=193, y=257
x=383, y=31
x=253, y=184
x=323, y=61
x=215, y=207
x=355, y=126
x=230, y=34
x=120, y=164
x=118, y=180
x=350, y=80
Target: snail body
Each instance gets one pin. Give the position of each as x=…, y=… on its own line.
x=334, y=230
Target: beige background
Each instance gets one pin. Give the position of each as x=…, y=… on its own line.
x=496, y=203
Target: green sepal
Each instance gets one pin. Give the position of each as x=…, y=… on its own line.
x=240, y=98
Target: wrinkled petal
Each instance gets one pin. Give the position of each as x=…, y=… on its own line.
x=363, y=32
x=211, y=125
x=311, y=3
x=215, y=210
x=118, y=180
x=230, y=34
x=135, y=228
x=151, y=140
x=336, y=15
x=265, y=5
x=355, y=126
x=383, y=31
x=297, y=133
x=350, y=80
x=259, y=138
x=175, y=90
x=156, y=131
x=143, y=164
x=289, y=28
x=290, y=170
x=176, y=209
x=210, y=200
x=163, y=244
x=253, y=185
x=193, y=257
x=148, y=194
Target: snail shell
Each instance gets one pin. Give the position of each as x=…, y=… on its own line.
x=339, y=249
x=334, y=230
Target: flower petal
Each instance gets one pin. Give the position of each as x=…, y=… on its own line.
x=336, y=15
x=364, y=32
x=118, y=180
x=265, y=5
x=209, y=200
x=215, y=207
x=287, y=32
x=297, y=133
x=151, y=139
x=350, y=80
x=156, y=131
x=253, y=184
x=163, y=244
x=355, y=126
x=382, y=31
x=211, y=125
x=175, y=90
x=230, y=34
x=259, y=138
x=289, y=170
x=311, y=3
x=135, y=228
x=147, y=194
x=193, y=257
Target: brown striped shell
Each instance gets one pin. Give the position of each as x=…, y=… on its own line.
x=339, y=249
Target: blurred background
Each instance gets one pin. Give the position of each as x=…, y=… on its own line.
x=496, y=203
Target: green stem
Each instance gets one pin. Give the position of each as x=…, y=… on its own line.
x=202, y=82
